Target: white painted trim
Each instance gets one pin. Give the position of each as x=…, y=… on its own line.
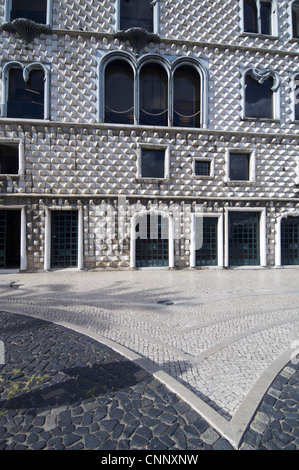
x=220, y=241
x=23, y=249
x=169, y=65
x=21, y=152
x=153, y=211
x=291, y=18
x=156, y=15
x=252, y=164
x=49, y=16
x=275, y=97
x=263, y=233
x=284, y=215
x=166, y=149
x=274, y=17
x=47, y=248
x=23, y=236
x=295, y=77
x=27, y=68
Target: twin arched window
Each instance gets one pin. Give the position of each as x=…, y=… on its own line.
x=25, y=91
x=153, y=94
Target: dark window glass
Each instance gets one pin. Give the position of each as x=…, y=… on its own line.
x=250, y=16
x=136, y=13
x=202, y=168
x=153, y=95
x=186, y=112
x=297, y=99
x=266, y=12
x=119, y=93
x=239, y=166
x=31, y=9
x=152, y=163
x=258, y=98
x=9, y=159
x=26, y=99
x=295, y=19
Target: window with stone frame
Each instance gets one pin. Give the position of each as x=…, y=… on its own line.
x=258, y=16
x=25, y=99
x=9, y=159
x=31, y=9
x=259, y=98
x=295, y=19
x=152, y=163
x=136, y=13
x=239, y=166
x=296, y=97
x=153, y=92
x=202, y=167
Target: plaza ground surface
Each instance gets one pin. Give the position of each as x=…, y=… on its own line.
x=214, y=349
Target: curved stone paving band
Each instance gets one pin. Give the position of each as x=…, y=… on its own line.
x=226, y=379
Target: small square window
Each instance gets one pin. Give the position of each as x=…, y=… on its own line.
x=202, y=168
x=239, y=166
x=9, y=159
x=152, y=163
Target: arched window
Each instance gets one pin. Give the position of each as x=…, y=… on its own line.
x=31, y=9
x=186, y=97
x=153, y=95
x=119, y=92
x=295, y=19
x=25, y=96
x=136, y=13
x=258, y=97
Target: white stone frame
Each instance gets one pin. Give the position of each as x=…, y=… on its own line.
x=170, y=66
x=284, y=215
x=8, y=5
x=156, y=15
x=291, y=20
x=27, y=68
x=275, y=97
x=47, y=245
x=263, y=233
x=166, y=150
x=133, y=238
x=294, y=80
x=220, y=241
x=252, y=165
x=23, y=238
x=21, y=152
x=204, y=159
x=274, y=19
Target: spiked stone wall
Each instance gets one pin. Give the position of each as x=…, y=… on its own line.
x=72, y=160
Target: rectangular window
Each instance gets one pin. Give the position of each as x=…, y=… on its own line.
x=257, y=17
x=295, y=19
x=202, y=168
x=136, y=13
x=239, y=166
x=9, y=159
x=31, y=9
x=152, y=163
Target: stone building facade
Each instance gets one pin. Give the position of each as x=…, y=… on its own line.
x=158, y=135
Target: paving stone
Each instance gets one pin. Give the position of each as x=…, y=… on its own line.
x=162, y=420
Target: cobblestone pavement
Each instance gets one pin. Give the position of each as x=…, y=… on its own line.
x=213, y=338
x=62, y=390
